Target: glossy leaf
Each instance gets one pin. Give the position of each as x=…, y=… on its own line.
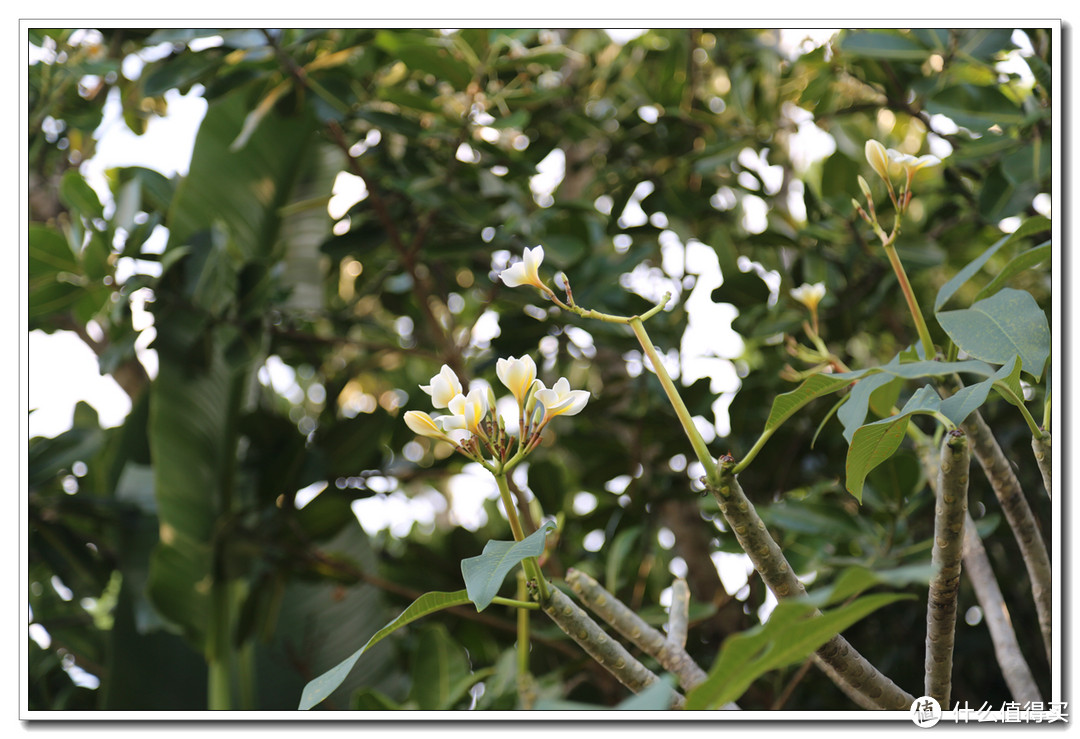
x=318, y=689
x=1007, y=323
x=484, y=574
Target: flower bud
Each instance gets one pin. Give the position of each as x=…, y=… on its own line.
x=878, y=158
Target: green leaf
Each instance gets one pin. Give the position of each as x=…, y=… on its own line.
x=875, y=442
x=1009, y=387
x=656, y=697
x=485, y=573
x=245, y=189
x=853, y=413
x=792, y=633
x=787, y=404
x=440, y=670
x=318, y=689
x=1028, y=227
x=968, y=399
x=883, y=45
x=1005, y=324
x=76, y=194
x=1022, y=261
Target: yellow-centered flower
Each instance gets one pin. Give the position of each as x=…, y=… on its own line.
x=560, y=400
x=467, y=411
x=910, y=164
x=809, y=295
x=517, y=375
x=527, y=271
x=444, y=386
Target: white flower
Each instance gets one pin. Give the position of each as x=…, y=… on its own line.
x=879, y=160
x=517, y=375
x=466, y=412
x=910, y=164
x=560, y=400
x=525, y=272
x=444, y=386
x=809, y=295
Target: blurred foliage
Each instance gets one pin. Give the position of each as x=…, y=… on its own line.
x=178, y=538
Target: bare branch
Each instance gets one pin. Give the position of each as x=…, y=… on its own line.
x=640, y=634
x=1018, y=513
x=949, y=515
x=852, y=673
x=608, y=652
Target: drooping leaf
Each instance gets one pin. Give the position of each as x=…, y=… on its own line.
x=1007, y=323
x=792, y=633
x=875, y=442
x=1028, y=227
x=484, y=574
x=317, y=690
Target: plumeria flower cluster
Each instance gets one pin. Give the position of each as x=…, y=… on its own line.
x=474, y=427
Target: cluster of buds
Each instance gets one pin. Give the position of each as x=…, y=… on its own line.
x=473, y=425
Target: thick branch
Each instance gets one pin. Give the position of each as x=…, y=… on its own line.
x=608, y=652
x=1017, y=512
x=605, y=605
x=851, y=672
x=949, y=515
x=1014, y=668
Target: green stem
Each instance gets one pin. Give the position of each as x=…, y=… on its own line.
x=524, y=679
x=696, y=440
x=531, y=566
x=913, y=303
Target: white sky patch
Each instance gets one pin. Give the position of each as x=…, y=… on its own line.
x=468, y=492
x=624, y=35
x=348, y=191
x=549, y=174
x=734, y=570
x=62, y=371
x=397, y=512
x=632, y=214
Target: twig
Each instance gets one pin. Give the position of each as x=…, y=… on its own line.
x=790, y=687
x=608, y=652
x=1014, y=668
x=605, y=605
x=949, y=514
x=1043, y=455
x=1017, y=512
x=852, y=673
x=679, y=614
